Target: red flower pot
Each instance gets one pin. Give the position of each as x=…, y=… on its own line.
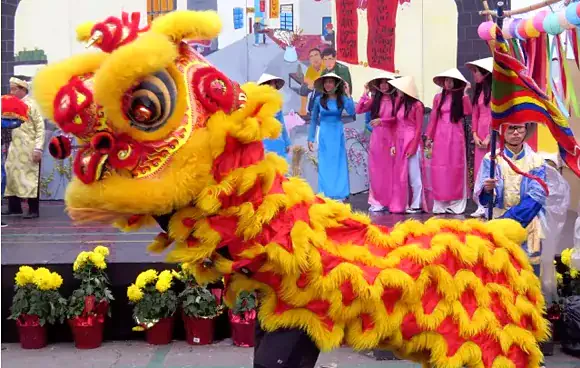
x=243, y=329
x=32, y=334
x=87, y=332
x=161, y=333
x=198, y=331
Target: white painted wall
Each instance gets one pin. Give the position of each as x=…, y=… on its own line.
x=311, y=14
x=50, y=25
x=225, y=10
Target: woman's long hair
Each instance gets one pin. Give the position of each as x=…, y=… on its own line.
x=485, y=86
x=408, y=102
x=339, y=94
x=377, y=98
x=456, y=101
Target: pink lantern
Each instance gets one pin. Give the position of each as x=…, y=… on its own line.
x=484, y=30
x=538, y=21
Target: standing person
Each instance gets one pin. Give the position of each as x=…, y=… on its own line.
x=259, y=29
x=14, y=113
x=329, y=38
x=378, y=99
x=24, y=155
x=280, y=145
x=481, y=115
x=332, y=66
x=446, y=139
x=409, y=112
x=333, y=180
x=312, y=73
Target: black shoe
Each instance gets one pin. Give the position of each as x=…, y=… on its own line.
x=30, y=215
x=4, y=224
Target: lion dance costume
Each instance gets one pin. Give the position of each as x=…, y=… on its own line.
x=165, y=137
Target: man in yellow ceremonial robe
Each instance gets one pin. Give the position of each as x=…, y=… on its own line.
x=24, y=155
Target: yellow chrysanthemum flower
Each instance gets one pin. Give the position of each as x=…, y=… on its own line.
x=573, y=273
x=102, y=250
x=134, y=293
x=45, y=280
x=145, y=278
x=566, y=256
x=56, y=280
x=81, y=260
x=98, y=260
x=176, y=274
x=559, y=278
x=24, y=276
x=138, y=328
x=164, y=281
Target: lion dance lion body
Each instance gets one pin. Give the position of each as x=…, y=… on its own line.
x=166, y=137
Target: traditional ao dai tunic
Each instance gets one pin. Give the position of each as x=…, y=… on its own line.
x=279, y=145
x=333, y=180
x=481, y=125
x=448, y=158
x=518, y=197
x=22, y=173
x=407, y=172
x=380, y=159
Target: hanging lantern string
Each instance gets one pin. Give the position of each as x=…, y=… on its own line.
x=526, y=9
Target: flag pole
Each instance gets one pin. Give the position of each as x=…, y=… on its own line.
x=493, y=141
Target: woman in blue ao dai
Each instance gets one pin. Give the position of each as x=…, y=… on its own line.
x=280, y=145
x=333, y=180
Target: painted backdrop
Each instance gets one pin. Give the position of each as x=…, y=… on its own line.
x=412, y=37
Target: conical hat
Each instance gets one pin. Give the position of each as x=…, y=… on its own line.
x=406, y=85
x=485, y=64
x=454, y=73
x=384, y=75
x=265, y=78
x=319, y=82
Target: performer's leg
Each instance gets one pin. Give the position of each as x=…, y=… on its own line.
x=14, y=206
x=415, y=181
x=285, y=348
x=33, y=208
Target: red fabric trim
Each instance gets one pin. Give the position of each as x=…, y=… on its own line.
x=302, y=281
x=469, y=301
x=367, y=322
x=348, y=294
x=330, y=261
x=390, y=298
x=450, y=332
x=430, y=298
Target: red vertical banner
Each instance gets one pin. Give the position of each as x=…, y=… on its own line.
x=347, y=31
x=381, y=18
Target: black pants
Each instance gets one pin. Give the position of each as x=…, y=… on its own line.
x=284, y=348
x=14, y=205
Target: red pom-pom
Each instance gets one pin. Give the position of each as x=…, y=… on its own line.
x=60, y=147
x=14, y=108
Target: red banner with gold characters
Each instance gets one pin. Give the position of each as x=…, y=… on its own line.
x=274, y=9
x=381, y=15
x=347, y=31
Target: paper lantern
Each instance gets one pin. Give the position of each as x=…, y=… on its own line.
x=538, y=21
x=527, y=30
x=517, y=34
x=484, y=30
x=506, y=28
x=551, y=24
x=563, y=21
x=573, y=13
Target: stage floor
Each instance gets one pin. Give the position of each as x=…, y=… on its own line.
x=53, y=238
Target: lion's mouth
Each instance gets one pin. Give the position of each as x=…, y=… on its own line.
x=91, y=166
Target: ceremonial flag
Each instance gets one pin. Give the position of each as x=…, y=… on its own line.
x=517, y=99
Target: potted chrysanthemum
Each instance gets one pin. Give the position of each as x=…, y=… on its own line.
x=243, y=319
x=155, y=305
x=89, y=304
x=35, y=303
x=199, y=309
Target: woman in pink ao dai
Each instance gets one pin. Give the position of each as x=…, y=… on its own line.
x=379, y=100
x=481, y=116
x=408, y=193
x=446, y=138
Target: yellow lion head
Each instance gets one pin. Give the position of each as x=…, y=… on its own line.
x=151, y=115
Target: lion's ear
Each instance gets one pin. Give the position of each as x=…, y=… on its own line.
x=188, y=25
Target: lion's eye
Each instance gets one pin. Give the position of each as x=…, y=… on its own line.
x=151, y=102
